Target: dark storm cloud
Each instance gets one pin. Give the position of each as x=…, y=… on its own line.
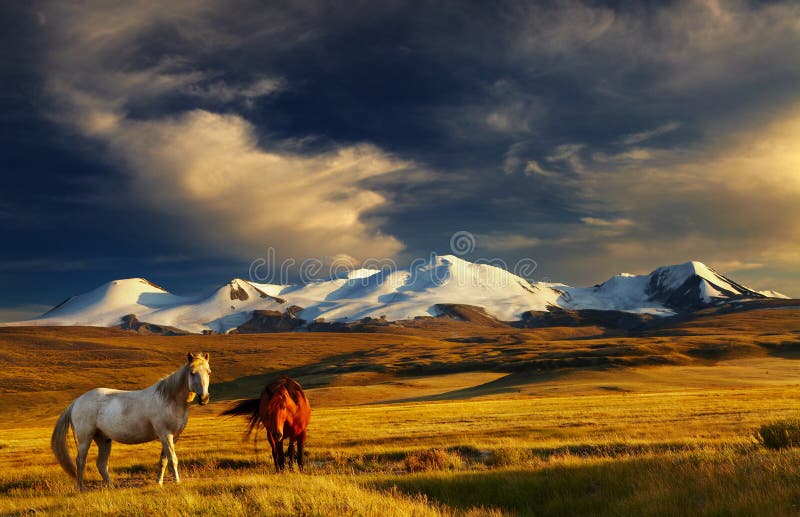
x=592, y=136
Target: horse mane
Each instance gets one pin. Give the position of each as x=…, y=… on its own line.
x=170, y=386
x=279, y=398
x=292, y=387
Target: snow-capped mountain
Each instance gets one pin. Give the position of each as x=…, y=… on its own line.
x=105, y=305
x=225, y=309
x=397, y=295
x=669, y=289
x=405, y=294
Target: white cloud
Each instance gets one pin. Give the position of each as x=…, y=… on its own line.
x=225, y=92
x=636, y=153
x=733, y=266
x=635, y=138
x=207, y=169
x=533, y=168
x=206, y=173
x=568, y=154
x=505, y=242
x=607, y=223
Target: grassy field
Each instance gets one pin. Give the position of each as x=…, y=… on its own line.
x=456, y=420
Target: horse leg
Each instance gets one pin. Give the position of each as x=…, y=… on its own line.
x=80, y=461
x=301, y=441
x=162, y=466
x=104, y=451
x=290, y=452
x=281, y=454
x=168, y=453
x=173, y=458
x=274, y=444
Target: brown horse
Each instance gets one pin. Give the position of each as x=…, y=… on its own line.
x=284, y=411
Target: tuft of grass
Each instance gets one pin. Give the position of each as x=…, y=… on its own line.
x=781, y=434
x=432, y=459
x=506, y=456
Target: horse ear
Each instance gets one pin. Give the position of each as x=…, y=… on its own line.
x=205, y=356
x=189, y=357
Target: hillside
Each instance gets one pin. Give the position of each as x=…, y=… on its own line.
x=88, y=356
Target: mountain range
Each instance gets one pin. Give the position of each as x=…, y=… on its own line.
x=432, y=289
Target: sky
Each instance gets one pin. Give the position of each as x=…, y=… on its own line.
x=181, y=142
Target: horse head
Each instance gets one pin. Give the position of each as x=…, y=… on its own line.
x=279, y=412
x=199, y=376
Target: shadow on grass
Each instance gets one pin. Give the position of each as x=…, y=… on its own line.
x=20, y=484
x=189, y=464
x=554, y=491
x=316, y=375
x=510, y=383
x=784, y=350
x=690, y=484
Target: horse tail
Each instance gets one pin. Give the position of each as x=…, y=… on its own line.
x=59, y=442
x=248, y=408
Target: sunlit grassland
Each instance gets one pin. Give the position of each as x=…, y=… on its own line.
x=668, y=452
x=445, y=423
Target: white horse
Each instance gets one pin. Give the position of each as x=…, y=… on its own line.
x=157, y=412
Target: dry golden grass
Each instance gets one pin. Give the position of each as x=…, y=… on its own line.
x=629, y=436
x=644, y=448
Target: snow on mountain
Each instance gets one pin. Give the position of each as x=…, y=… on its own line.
x=622, y=292
x=693, y=284
x=668, y=289
x=225, y=309
x=105, y=305
x=361, y=273
x=406, y=294
x=398, y=295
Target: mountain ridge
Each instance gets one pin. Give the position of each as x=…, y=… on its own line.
x=394, y=295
